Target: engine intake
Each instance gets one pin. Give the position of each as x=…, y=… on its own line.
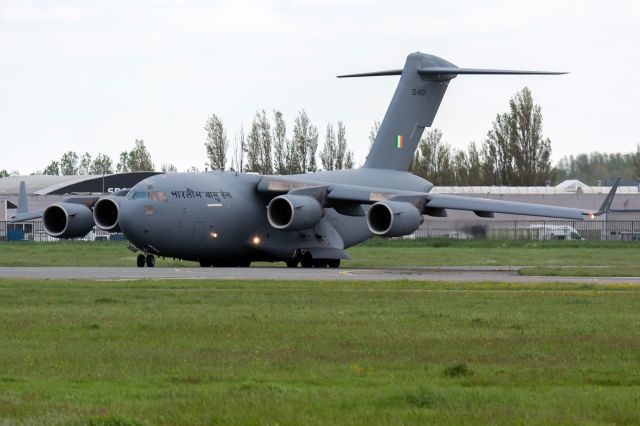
x=67, y=220
x=393, y=218
x=293, y=212
x=105, y=214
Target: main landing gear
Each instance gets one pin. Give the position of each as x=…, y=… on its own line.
x=148, y=260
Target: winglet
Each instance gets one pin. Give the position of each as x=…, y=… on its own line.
x=606, y=204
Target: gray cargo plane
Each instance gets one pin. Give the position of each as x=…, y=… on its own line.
x=232, y=219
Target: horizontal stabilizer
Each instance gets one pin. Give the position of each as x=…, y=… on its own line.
x=436, y=71
x=373, y=74
x=480, y=71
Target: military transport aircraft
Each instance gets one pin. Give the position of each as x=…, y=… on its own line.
x=225, y=218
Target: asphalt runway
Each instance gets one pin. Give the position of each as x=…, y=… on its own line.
x=446, y=273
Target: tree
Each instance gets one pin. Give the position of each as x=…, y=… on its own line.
x=515, y=148
x=305, y=144
x=344, y=157
x=433, y=159
x=349, y=163
x=334, y=155
x=3, y=173
x=329, y=150
x=280, y=143
x=139, y=158
x=69, y=163
x=52, y=169
x=532, y=152
x=123, y=164
x=217, y=143
x=237, y=163
x=84, y=167
x=101, y=165
x=252, y=146
x=597, y=166
x=266, y=163
x=168, y=168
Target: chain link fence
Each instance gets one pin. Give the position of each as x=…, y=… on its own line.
x=34, y=231
x=600, y=230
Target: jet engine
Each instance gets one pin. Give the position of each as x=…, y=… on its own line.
x=293, y=212
x=67, y=220
x=393, y=218
x=105, y=214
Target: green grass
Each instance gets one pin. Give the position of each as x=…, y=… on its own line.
x=552, y=256
x=194, y=352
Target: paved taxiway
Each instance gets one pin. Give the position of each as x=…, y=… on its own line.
x=473, y=274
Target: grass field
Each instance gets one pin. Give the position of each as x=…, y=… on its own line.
x=193, y=352
x=589, y=258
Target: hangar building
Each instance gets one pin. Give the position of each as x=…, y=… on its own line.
x=43, y=190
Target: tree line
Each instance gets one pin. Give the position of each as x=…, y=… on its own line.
x=266, y=148
x=514, y=152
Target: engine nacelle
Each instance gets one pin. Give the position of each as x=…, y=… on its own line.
x=67, y=220
x=294, y=212
x=393, y=218
x=105, y=214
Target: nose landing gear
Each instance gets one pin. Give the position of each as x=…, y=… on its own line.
x=148, y=260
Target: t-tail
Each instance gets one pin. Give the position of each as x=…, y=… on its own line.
x=423, y=83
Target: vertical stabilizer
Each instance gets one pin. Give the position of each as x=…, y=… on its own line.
x=413, y=107
x=423, y=83
x=22, y=199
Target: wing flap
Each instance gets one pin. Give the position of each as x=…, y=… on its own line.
x=483, y=207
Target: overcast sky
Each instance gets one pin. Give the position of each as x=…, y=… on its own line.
x=96, y=75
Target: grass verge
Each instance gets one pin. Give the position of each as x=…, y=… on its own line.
x=193, y=352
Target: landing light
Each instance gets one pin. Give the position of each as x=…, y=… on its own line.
x=213, y=234
x=592, y=216
x=256, y=240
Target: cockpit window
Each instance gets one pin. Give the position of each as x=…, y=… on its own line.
x=158, y=196
x=136, y=195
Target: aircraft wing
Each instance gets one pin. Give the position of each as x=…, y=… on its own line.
x=347, y=199
x=23, y=213
x=437, y=204
x=486, y=208
x=20, y=217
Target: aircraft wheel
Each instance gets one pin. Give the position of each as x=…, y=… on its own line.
x=140, y=261
x=333, y=263
x=244, y=263
x=306, y=261
x=205, y=263
x=151, y=261
x=320, y=263
x=293, y=263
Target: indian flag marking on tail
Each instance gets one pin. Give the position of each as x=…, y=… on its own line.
x=399, y=142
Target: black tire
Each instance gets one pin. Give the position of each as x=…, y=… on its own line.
x=306, y=261
x=244, y=263
x=151, y=261
x=140, y=261
x=205, y=263
x=320, y=263
x=293, y=263
x=333, y=263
